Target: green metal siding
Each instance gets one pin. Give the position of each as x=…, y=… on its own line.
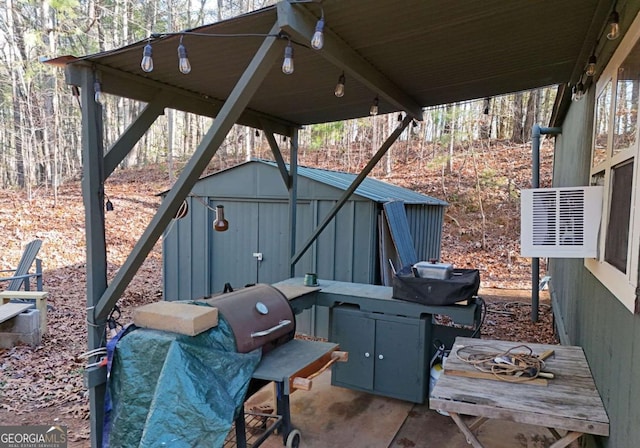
x=586, y=312
x=425, y=223
x=185, y=250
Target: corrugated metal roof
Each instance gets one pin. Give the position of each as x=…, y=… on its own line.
x=373, y=189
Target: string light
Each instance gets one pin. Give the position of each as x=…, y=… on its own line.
x=97, y=88
x=578, y=91
x=591, y=65
x=108, y=205
x=220, y=224
x=97, y=92
x=374, y=107
x=317, y=41
x=486, y=105
x=339, y=90
x=183, y=61
x=287, y=64
x=613, y=24
x=147, y=60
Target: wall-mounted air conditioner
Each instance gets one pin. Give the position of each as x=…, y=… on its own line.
x=560, y=222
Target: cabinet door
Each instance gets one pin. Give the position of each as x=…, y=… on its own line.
x=355, y=333
x=399, y=359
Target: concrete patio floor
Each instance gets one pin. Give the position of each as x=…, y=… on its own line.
x=425, y=428
x=329, y=416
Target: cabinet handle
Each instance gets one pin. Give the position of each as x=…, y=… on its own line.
x=366, y=355
x=380, y=357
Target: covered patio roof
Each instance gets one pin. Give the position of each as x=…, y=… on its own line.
x=411, y=54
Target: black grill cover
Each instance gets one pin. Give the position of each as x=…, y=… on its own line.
x=462, y=285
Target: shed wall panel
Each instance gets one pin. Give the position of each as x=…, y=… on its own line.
x=365, y=243
x=170, y=262
x=425, y=224
x=591, y=316
x=186, y=267
x=199, y=243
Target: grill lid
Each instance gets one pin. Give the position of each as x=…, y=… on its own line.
x=259, y=315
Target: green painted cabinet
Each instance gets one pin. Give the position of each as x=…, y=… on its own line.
x=388, y=354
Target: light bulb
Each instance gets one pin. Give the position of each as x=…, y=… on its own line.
x=339, y=91
x=317, y=41
x=374, y=107
x=183, y=60
x=97, y=89
x=287, y=64
x=147, y=60
x=220, y=224
x=591, y=65
x=614, y=28
x=579, y=91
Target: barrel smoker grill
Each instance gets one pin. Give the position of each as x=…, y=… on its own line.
x=260, y=316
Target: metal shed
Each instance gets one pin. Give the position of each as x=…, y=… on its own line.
x=198, y=261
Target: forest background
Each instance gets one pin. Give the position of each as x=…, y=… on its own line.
x=40, y=117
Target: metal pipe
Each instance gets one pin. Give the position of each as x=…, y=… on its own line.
x=293, y=199
x=536, y=132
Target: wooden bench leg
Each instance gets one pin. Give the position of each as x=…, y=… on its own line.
x=566, y=440
x=471, y=438
x=478, y=422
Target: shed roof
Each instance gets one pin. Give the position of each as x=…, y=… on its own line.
x=372, y=189
x=411, y=54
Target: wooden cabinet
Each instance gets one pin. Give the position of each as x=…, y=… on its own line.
x=388, y=354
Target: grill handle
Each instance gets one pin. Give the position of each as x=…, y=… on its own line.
x=282, y=324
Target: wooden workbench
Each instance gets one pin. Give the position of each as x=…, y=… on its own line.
x=567, y=404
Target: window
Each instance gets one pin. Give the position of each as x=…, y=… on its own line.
x=613, y=165
x=617, y=240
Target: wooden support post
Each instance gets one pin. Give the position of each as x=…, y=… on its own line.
x=93, y=197
x=293, y=200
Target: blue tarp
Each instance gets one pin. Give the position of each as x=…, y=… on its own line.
x=168, y=389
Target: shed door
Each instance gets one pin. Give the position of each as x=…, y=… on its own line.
x=256, y=230
x=231, y=251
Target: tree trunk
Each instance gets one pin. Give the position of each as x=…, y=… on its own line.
x=517, y=135
x=532, y=116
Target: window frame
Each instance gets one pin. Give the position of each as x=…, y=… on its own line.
x=622, y=285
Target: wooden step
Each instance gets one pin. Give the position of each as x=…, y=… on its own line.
x=10, y=310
